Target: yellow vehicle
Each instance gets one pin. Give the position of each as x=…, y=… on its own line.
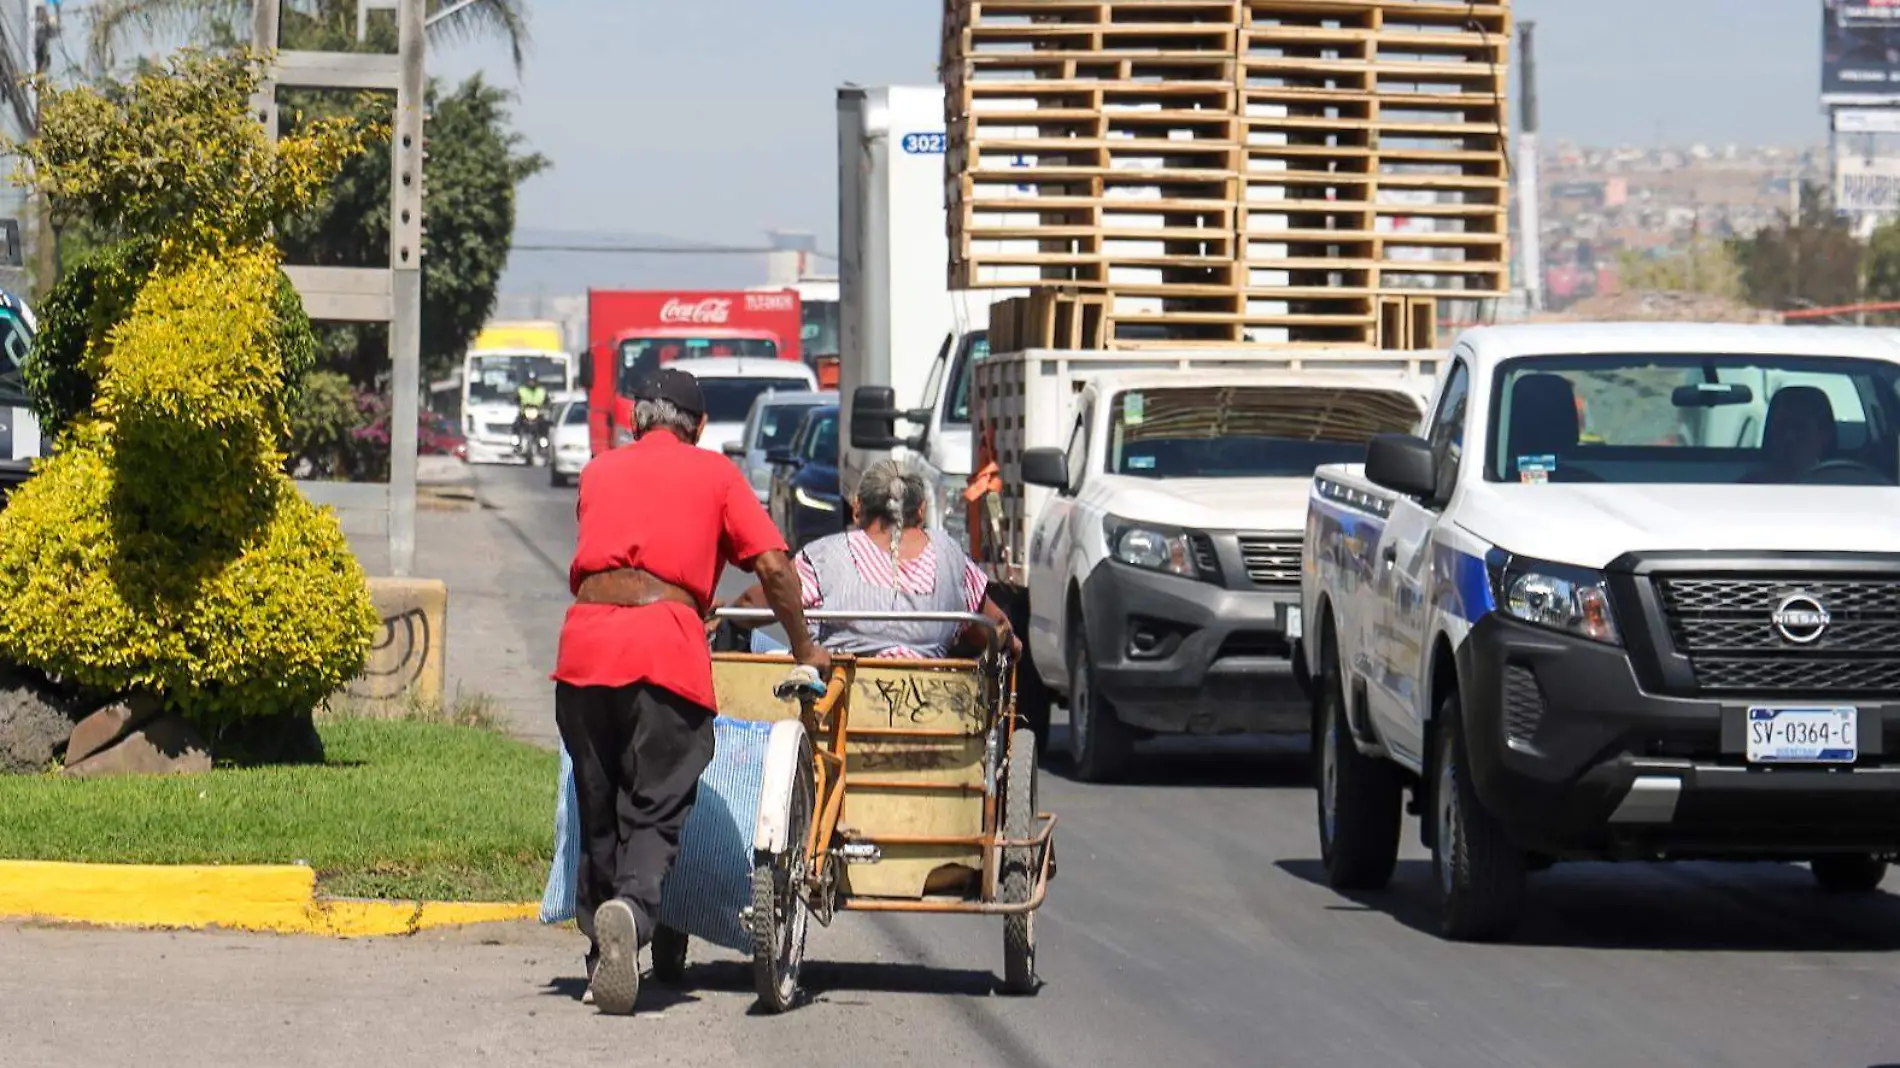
x=907, y=786
x=534, y=336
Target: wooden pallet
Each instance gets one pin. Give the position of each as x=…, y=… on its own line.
x=1226, y=170
x=1409, y=323
x=1049, y=320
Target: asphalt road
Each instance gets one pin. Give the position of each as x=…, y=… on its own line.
x=1189, y=926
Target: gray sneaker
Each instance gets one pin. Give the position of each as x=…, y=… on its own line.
x=616, y=982
x=587, y=996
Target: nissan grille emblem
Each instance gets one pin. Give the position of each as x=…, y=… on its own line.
x=1800, y=619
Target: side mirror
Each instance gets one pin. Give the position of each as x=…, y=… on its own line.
x=1046, y=467
x=735, y=449
x=585, y=376
x=1402, y=463
x=780, y=457
x=874, y=417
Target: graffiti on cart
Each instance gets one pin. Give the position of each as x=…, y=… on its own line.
x=914, y=700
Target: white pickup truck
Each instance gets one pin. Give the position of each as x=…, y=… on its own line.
x=1148, y=540
x=1633, y=594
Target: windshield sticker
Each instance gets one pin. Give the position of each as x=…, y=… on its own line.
x=1134, y=407
x=1534, y=469
x=1141, y=463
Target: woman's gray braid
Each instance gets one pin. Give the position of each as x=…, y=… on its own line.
x=895, y=491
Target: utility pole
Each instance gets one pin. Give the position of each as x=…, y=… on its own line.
x=1531, y=253
x=45, y=28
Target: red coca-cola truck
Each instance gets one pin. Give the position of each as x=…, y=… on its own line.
x=630, y=332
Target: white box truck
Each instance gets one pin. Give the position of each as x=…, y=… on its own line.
x=906, y=339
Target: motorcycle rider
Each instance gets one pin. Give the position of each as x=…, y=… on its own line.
x=530, y=396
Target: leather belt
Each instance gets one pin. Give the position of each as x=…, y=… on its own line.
x=631, y=587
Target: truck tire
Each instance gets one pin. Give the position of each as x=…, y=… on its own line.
x=1480, y=872
x=1360, y=798
x=1849, y=873
x=1100, y=744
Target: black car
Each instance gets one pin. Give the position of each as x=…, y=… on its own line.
x=805, y=501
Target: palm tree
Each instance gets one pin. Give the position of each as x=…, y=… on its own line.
x=114, y=21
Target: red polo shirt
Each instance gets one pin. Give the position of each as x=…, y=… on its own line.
x=680, y=513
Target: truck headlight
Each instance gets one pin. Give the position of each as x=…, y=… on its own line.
x=1571, y=599
x=809, y=501
x=1153, y=548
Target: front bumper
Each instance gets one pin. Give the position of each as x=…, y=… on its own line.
x=565, y=462
x=488, y=450
x=1211, y=660
x=1577, y=759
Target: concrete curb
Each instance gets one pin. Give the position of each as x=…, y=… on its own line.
x=279, y=899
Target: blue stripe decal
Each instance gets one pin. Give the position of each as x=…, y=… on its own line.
x=1464, y=585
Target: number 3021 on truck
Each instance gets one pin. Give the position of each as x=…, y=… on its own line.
x=1632, y=594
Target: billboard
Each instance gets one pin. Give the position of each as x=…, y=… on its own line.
x=1867, y=120
x=1867, y=187
x=1860, y=50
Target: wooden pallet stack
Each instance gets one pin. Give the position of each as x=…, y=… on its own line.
x=1288, y=171
x=1094, y=146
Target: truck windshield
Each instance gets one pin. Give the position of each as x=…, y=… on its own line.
x=1248, y=431
x=729, y=400
x=1692, y=419
x=639, y=355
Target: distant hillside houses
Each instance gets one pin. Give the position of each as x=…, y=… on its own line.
x=1599, y=203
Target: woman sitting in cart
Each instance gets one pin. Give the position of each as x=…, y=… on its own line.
x=888, y=562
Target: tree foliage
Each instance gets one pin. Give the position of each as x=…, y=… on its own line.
x=1810, y=259
x=1705, y=266
x=162, y=548
x=113, y=22
x=1880, y=268
x=474, y=165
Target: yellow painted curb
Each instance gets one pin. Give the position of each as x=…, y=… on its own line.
x=280, y=899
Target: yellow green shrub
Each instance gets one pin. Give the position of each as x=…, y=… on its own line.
x=162, y=549
x=275, y=626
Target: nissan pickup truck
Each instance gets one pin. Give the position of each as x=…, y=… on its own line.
x=1634, y=593
x=1162, y=592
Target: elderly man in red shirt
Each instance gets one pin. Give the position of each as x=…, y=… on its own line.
x=659, y=520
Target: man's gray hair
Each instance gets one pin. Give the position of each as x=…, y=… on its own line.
x=664, y=415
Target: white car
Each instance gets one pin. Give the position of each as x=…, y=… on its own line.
x=567, y=445
x=1631, y=593
x=769, y=429
x=730, y=385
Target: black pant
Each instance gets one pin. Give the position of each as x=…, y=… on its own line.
x=638, y=752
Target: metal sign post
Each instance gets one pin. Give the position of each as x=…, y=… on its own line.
x=390, y=294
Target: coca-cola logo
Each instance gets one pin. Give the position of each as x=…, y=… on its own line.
x=710, y=310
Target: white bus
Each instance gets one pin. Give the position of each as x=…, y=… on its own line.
x=489, y=380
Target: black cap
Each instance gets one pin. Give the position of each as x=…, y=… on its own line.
x=674, y=386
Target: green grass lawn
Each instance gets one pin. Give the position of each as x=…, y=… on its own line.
x=404, y=808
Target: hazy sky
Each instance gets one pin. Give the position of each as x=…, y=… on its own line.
x=714, y=120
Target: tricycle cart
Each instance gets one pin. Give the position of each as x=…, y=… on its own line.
x=906, y=786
